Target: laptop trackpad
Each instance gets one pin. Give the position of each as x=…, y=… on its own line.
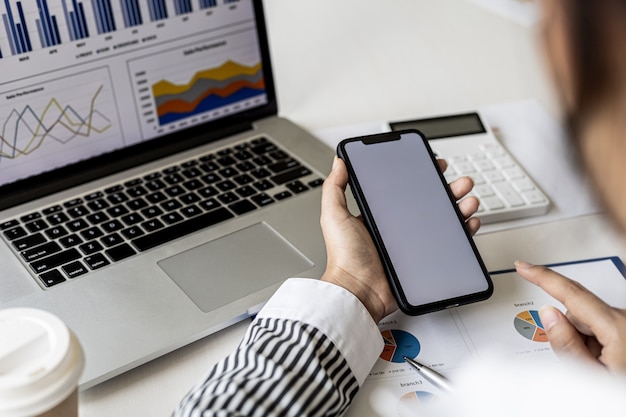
x=231, y=267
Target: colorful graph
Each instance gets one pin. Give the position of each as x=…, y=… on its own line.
x=528, y=324
x=207, y=90
x=399, y=344
x=26, y=130
x=411, y=402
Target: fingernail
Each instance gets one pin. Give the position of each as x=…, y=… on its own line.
x=334, y=163
x=549, y=317
x=522, y=264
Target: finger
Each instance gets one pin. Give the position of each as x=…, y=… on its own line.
x=563, y=336
x=473, y=224
x=443, y=165
x=468, y=207
x=334, y=189
x=580, y=302
x=461, y=186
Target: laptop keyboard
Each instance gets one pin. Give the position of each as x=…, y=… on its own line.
x=75, y=237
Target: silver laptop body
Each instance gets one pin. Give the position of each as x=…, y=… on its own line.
x=152, y=79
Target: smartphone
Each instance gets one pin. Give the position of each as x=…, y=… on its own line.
x=428, y=253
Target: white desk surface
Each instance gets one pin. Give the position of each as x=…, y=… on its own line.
x=354, y=61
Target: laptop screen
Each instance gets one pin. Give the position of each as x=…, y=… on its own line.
x=113, y=79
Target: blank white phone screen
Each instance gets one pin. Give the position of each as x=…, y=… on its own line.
x=417, y=222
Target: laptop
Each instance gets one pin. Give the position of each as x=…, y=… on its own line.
x=149, y=193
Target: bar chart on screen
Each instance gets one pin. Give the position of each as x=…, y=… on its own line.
x=29, y=25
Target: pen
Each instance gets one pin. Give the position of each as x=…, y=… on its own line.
x=431, y=375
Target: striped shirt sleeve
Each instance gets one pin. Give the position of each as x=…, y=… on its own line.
x=306, y=354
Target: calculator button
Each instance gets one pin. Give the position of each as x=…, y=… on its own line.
x=485, y=165
x=523, y=185
x=509, y=194
x=493, y=203
x=493, y=176
x=478, y=179
x=465, y=168
x=484, y=191
x=504, y=162
x=514, y=173
x=534, y=197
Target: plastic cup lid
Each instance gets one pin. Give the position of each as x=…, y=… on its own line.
x=40, y=362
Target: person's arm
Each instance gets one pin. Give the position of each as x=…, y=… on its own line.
x=591, y=329
x=306, y=354
x=314, y=342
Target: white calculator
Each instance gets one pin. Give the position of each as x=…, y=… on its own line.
x=504, y=189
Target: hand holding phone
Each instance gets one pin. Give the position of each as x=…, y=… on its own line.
x=428, y=254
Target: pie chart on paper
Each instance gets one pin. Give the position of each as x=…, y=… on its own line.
x=528, y=324
x=399, y=344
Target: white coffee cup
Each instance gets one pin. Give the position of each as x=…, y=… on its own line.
x=41, y=362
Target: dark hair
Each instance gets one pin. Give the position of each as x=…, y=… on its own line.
x=594, y=47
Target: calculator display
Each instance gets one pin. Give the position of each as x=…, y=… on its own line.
x=444, y=127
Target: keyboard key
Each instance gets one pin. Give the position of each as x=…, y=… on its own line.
x=137, y=204
x=56, y=232
x=318, y=182
x=96, y=261
x=150, y=212
x=291, y=175
x=132, y=232
x=15, y=233
x=52, y=209
x=97, y=205
x=171, y=205
x=30, y=217
x=76, y=225
x=91, y=247
x=136, y=192
x=9, y=224
x=262, y=199
x=241, y=207
x=120, y=252
x=132, y=218
x=118, y=211
x=111, y=240
x=228, y=197
x=29, y=241
x=209, y=204
x=181, y=229
x=78, y=211
x=71, y=240
x=283, y=165
x=171, y=218
x=152, y=225
x=91, y=233
x=41, y=251
x=73, y=203
x=191, y=211
x=296, y=187
x=51, y=278
x=57, y=218
x=36, y=226
x=282, y=195
x=112, y=226
x=97, y=218
x=53, y=261
x=263, y=185
x=156, y=198
x=74, y=269
x=117, y=198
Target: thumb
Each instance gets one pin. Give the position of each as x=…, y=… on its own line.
x=563, y=336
